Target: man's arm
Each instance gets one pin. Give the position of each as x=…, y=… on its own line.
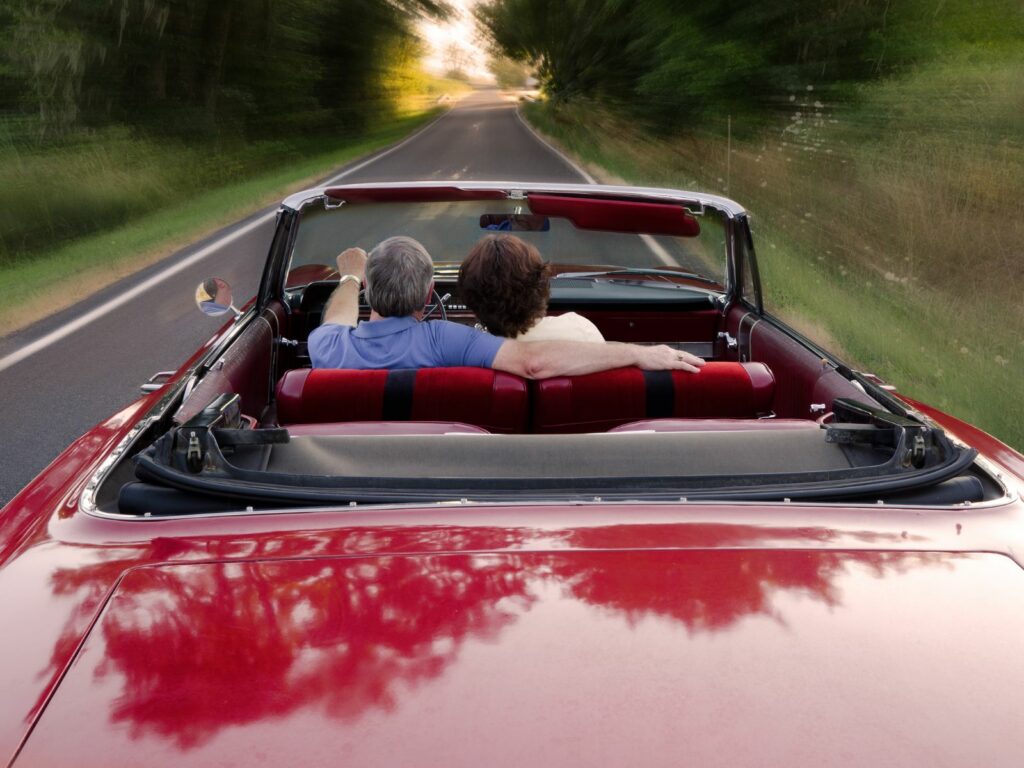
x=343, y=306
x=545, y=359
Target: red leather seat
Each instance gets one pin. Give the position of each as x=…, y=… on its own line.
x=600, y=401
x=496, y=401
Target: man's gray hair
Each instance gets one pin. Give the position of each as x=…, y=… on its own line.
x=398, y=275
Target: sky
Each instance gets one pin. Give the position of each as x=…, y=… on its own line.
x=459, y=30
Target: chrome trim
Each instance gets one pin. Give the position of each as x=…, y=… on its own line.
x=189, y=386
x=88, y=505
x=746, y=356
x=729, y=339
x=87, y=499
x=514, y=189
x=1008, y=498
x=152, y=385
x=996, y=477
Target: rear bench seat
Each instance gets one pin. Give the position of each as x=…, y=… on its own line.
x=600, y=401
x=495, y=401
x=453, y=398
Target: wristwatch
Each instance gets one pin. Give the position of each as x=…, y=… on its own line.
x=349, y=278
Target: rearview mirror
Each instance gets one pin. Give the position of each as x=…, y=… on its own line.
x=213, y=297
x=514, y=222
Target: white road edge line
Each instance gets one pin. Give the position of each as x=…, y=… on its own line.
x=565, y=158
x=659, y=250
x=80, y=322
x=655, y=247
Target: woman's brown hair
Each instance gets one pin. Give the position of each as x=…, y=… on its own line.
x=505, y=282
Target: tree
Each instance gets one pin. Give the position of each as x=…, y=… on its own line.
x=508, y=73
x=670, y=62
x=455, y=61
x=200, y=66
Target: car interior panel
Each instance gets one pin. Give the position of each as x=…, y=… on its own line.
x=806, y=384
x=698, y=327
x=766, y=396
x=244, y=369
x=770, y=375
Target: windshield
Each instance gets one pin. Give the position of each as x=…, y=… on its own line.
x=449, y=230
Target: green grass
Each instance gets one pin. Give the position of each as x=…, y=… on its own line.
x=87, y=262
x=901, y=256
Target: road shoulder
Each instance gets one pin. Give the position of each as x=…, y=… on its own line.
x=39, y=288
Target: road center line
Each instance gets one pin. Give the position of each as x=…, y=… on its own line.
x=80, y=322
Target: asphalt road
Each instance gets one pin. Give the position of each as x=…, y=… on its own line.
x=64, y=387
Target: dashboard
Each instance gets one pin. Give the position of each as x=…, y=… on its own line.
x=682, y=320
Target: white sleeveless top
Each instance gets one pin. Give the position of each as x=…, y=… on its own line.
x=567, y=327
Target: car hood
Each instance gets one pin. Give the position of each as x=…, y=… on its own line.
x=580, y=657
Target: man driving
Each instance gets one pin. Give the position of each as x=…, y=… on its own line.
x=399, y=278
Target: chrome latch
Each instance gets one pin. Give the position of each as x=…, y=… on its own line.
x=729, y=339
x=194, y=454
x=156, y=381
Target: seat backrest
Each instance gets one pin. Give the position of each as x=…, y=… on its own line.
x=599, y=401
x=496, y=401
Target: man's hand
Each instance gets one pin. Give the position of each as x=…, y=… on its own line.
x=352, y=261
x=343, y=306
x=662, y=358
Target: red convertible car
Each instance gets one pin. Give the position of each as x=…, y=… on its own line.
x=775, y=561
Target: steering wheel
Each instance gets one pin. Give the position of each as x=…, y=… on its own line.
x=439, y=301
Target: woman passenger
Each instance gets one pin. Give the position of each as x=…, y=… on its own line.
x=506, y=284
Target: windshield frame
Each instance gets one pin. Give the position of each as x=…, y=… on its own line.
x=289, y=215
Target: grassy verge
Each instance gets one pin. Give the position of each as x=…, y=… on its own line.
x=37, y=283
x=896, y=254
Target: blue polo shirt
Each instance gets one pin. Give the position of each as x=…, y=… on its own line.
x=402, y=342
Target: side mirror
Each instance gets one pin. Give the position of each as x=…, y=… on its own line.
x=213, y=297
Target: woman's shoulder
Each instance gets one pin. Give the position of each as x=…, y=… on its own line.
x=565, y=327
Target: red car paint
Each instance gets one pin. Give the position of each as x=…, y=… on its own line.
x=586, y=634
x=734, y=634
x=739, y=634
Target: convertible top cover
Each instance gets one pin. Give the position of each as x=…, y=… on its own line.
x=873, y=452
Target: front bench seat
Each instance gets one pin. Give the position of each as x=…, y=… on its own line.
x=600, y=401
x=495, y=401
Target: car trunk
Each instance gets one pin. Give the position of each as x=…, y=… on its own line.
x=579, y=656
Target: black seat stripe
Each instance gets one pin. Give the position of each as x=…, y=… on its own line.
x=398, y=391
x=661, y=394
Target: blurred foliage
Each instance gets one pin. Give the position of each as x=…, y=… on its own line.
x=508, y=73
x=878, y=144
x=677, y=64
x=898, y=249
x=254, y=68
x=134, y=104
x=886, y=186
